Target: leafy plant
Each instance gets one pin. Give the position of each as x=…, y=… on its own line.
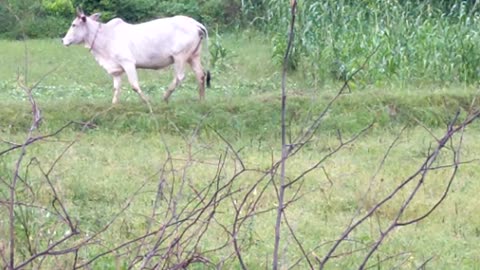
x=428, y=41
x=58, y=7
x=218, y=53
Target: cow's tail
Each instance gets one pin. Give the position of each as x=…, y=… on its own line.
x=205, y=37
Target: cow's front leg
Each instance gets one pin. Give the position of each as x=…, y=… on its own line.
x=133, y=80
x=117, y=84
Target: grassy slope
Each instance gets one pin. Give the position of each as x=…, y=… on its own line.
x=102, y=169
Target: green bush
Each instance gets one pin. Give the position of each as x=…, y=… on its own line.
x=46, y=27
x=7, y=22
x=58, y=7
x=129, y=10
x=34, y=19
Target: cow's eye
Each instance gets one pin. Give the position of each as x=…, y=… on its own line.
x=73, y=25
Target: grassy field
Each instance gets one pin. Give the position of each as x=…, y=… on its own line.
x=121, y=158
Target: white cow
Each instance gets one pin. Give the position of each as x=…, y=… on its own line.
x=122, y=47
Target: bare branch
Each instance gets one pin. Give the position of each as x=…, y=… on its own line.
x=285, y=151
x=330, y=154
x=299, y=244
x=421, y=172
x=424, y=264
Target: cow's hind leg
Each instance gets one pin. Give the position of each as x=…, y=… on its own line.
x=117, y=84
x=179, y=76
x=196, y=64
x=133, y=80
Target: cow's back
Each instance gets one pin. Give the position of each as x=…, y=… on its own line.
x=169, y=26
x=154, y=43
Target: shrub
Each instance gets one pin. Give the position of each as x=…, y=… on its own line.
x=61, y=8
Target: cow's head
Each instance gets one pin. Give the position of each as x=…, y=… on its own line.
x=79, y=29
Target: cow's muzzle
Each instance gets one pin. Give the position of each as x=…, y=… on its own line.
x=64, y=42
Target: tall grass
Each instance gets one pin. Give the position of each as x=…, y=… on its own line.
x=418, y=41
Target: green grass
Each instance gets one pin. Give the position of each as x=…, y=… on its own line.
x=127, y=149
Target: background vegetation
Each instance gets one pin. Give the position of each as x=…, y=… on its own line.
x=425, y=41
x=425, y=69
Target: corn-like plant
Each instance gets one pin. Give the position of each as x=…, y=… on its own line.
x=418, y=41
x=218, y=52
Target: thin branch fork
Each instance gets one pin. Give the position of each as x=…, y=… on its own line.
x=421, y=172
x=35, y=122
x=12, y=201
x=424, y=170
x=196, y=214
x=306, y=136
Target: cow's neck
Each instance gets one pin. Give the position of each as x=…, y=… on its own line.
x=94, y=40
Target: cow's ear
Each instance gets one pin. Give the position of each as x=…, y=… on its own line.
x=84, y=18
x=95, y=17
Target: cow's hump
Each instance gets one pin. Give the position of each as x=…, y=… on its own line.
x=116, y=21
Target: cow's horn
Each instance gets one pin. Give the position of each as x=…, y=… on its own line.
x=79, y=12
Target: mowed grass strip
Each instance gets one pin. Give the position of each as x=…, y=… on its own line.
x=252, y=115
